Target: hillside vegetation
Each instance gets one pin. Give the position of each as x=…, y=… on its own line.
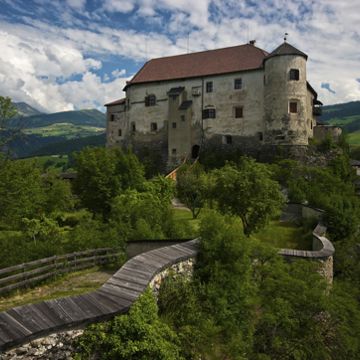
x=37, y=133
x=347, y=116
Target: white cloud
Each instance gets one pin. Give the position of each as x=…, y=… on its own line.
x=39, y=60
x=118, y=73
x=77, y=4
x=123, y=6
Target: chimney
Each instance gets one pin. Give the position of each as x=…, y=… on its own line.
x=252, y=42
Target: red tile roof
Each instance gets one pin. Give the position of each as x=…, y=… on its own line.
x=116, y=102
x=211, y=62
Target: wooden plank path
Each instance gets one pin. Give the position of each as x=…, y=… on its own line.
x=25, y=323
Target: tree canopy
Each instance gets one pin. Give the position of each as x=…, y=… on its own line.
x=103, y=174
x=248, y=191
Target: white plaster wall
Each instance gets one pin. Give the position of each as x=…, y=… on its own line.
x=279, y=91
x=225, y=98
x=113, y=127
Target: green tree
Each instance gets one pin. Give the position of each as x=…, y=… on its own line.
x=140, y=335
x=21, y=191
x=228, y=292
x=7, y=111
x=102, y=174
x=58, y=194
x=139, y=215
x=248, y=191
x=191, y=187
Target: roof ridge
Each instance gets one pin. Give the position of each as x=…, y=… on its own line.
x=208, y=50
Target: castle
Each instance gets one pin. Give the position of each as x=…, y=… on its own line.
x=235, y=97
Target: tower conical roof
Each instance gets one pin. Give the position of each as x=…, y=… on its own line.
x=286, y=49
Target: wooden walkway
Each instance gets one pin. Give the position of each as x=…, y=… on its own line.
x=25, y=323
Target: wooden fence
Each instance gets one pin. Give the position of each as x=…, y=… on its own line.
x=27, y=274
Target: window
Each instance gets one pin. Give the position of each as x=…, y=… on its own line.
x=112, y=117
x=173, y=151
x=228, y=139
x=209, y=86
x=174, y=125
x=260, y=135
x=150, y=100
x=239, y=112
x=238, y=84
x=294, y=74
x=182, y=117
x=119, y=132
x=293, y=107
x=153, y=126
x=209, y=114
x=133, y=127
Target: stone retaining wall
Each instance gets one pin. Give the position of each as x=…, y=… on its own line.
x=61, y=346
x=322, y=249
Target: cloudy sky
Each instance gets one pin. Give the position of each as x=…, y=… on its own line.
x=71, y=54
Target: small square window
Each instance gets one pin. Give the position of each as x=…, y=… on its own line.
x=238, y=84
x=150, y=100
x=209, y=86
x=209, y=114
x=119, y=132
x=294, y=74
x=182, y=117
x=239, y=112
x=260, y=135
x=173, y=151
x=174, y=125
x=112, y=117
x=153, y=126
x=293, y=107
x=133, y=127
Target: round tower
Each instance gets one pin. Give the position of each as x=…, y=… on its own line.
x=285, y=97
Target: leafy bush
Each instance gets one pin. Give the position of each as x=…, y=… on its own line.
x=140, y=335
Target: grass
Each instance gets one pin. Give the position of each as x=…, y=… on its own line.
x=185, y=216
x=67, y=130
x=286, y=235
x=49, y=162
x=354, y=138
x=76, y=283
x=277, y=233
x=344, y=121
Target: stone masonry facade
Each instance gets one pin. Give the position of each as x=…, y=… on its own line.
x=239, y=97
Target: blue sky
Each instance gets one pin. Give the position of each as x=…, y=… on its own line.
x=70, y=54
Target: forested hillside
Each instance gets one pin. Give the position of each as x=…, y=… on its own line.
x=32, y=132
x=347, y=116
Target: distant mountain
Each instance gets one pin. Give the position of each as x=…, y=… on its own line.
x=68, y=146
x=57, y=133
x=25, y=109
x=90, y=117
x=340, y=111
x=347, y=116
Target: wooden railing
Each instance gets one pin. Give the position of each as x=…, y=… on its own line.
x=25, y=323
x=27, y=274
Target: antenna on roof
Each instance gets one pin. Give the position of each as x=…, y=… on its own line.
x=285, y=37
x=187, y=44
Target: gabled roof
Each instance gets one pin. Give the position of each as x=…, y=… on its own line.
x=116, y=102
x=286, y=49
x=205, y=63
